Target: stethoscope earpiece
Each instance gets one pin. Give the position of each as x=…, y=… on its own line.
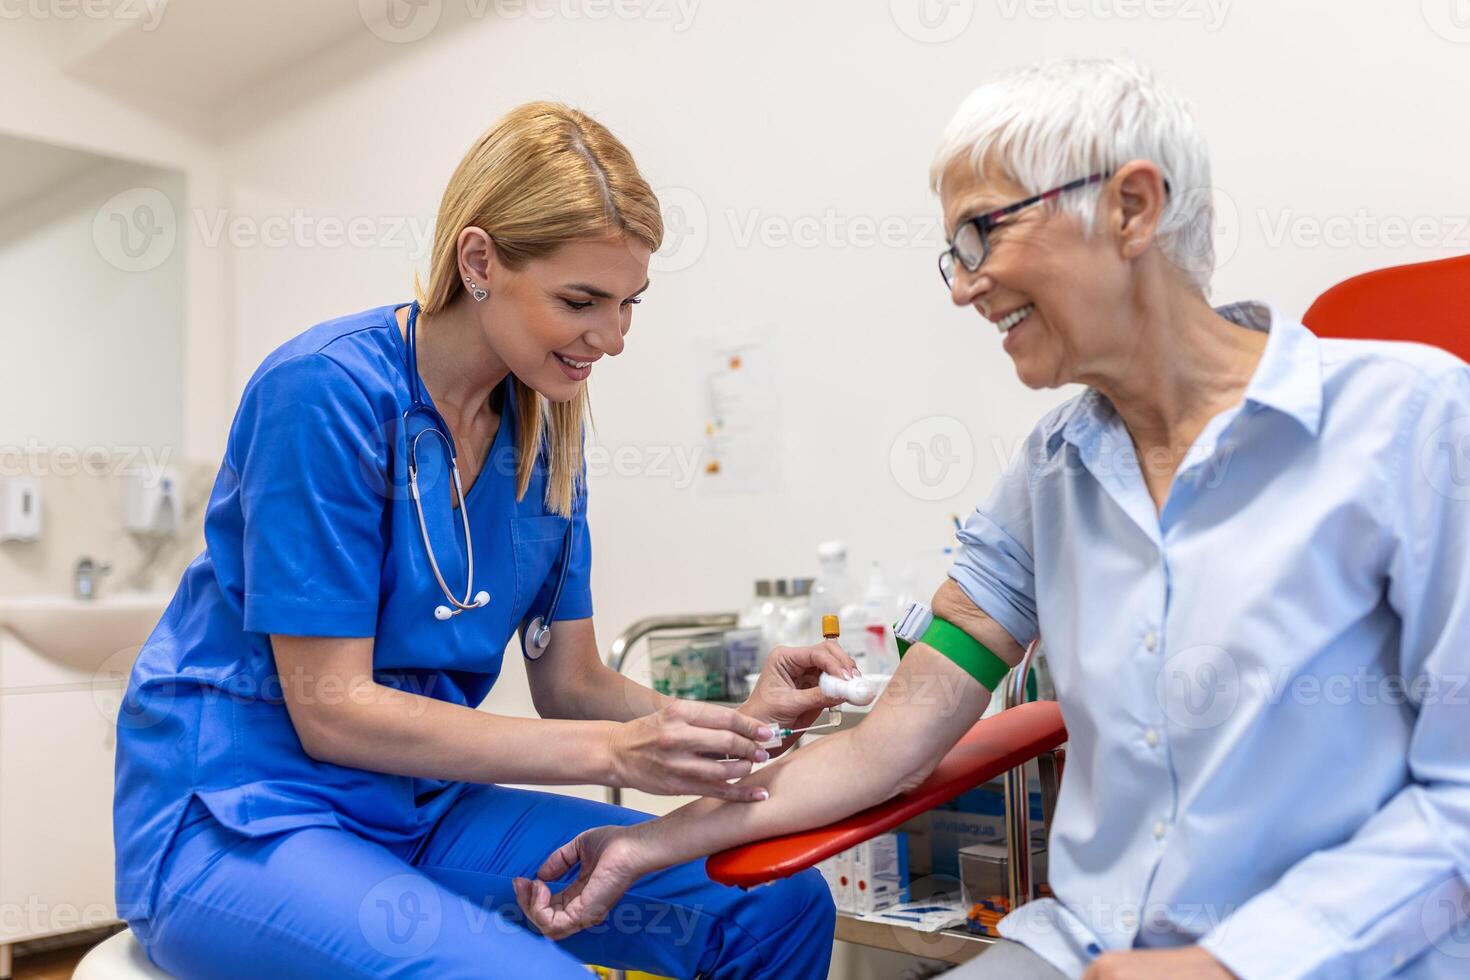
x=442, y=613
x=482, y=598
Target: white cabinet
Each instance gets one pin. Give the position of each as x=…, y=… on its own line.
x=60, y=689
x=56, y=752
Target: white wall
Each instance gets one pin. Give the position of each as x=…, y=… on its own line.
x=767, y=112
x=96, y=355
x=46, y=103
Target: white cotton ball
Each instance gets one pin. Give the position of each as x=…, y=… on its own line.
x=858, y=690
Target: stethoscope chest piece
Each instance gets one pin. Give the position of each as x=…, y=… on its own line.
x=538, y=638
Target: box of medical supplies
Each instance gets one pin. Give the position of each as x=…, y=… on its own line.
x=976, y=817
x=984, y=870
x=842, y=871
x=830, y=875
x=880, y=873
x=742, y=658
x=990, y=799
x=921, y=856
x=690, y=667
x=950, y=830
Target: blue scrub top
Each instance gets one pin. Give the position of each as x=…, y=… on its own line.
x=310, y=531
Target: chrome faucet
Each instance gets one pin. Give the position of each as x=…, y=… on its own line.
x=88, y=574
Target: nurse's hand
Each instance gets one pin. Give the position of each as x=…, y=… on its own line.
x=683, y=748
x=610, y=862
x=787, y=691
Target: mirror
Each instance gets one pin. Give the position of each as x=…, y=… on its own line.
x=92, y=271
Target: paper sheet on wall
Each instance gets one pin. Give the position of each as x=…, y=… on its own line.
x=740, y=384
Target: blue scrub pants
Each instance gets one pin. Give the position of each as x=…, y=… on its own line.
x=320, y=901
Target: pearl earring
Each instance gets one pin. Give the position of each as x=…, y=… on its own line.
x=477, y=291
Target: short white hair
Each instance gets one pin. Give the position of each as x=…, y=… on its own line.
x=1054, y=122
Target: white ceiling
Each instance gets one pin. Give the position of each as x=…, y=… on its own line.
x=192, y=56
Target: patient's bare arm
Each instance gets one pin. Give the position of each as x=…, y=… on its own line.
x=927, y=707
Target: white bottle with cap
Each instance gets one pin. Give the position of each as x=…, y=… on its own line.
x=833, y=589
x=880, y=610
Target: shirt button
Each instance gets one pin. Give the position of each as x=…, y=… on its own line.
x=1151, y=737
x=1398, y=959
x=1128, y=918
x=1159, y=829
x=1150, y=640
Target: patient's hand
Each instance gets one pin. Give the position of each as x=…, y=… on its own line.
x=611, y=859
x=1183, y=963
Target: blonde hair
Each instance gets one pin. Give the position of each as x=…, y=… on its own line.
x=541, y=176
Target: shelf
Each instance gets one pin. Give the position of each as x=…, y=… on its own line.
x=950, y=945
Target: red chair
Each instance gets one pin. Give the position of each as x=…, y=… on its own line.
x=1427, y=302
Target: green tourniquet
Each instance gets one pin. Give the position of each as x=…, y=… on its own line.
x=972, y=656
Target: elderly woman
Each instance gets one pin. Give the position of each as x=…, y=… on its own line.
x=1247, y=553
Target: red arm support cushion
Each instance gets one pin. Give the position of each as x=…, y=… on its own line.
x=1425, y=301
x=994, y=745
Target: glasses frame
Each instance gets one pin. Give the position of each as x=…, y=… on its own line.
x=985, y=223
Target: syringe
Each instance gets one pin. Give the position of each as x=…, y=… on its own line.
x=784, y=733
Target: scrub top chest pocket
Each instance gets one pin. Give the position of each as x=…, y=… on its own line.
x=537, y=541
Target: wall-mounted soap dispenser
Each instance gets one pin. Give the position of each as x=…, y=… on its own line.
x=20, y=508
x=151, y=503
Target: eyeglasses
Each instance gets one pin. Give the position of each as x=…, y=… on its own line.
x=971, y=242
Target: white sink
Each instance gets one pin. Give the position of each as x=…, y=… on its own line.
x=82, y=632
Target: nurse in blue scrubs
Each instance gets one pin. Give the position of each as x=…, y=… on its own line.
x=304, y=785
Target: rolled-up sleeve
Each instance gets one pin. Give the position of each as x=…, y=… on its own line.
x=1400, y=885
x=994, y=564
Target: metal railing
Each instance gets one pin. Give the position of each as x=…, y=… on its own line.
x=617, y=654
x=1017, y=799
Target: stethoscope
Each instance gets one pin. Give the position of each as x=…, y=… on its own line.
x=537, y=635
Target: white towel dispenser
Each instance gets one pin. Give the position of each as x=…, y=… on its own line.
x=20, y=508
x=151, y=501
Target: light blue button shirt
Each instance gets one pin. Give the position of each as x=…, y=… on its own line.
x=1265, y=684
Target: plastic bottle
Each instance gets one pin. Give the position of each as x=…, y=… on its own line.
x=878, y=599
x=764, y=613
x=796, y=621
x=773, y=616
x=760, y=607
x=880, y=609
x=833, y=589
